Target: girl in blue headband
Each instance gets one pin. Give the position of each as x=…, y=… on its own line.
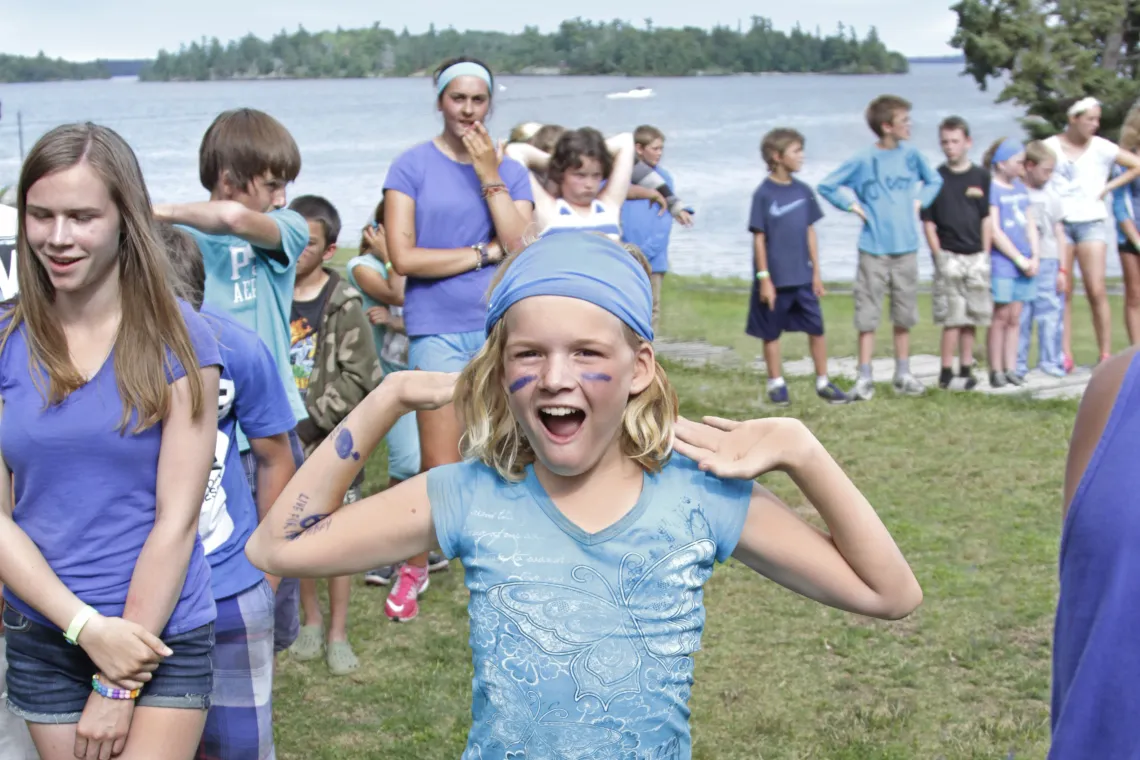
x=1013, y=258
x=588, y=515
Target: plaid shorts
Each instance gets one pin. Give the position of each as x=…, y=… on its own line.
x=239, y=725
x=288, y=605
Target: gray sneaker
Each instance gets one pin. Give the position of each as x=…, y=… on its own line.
x=908, y=385
x=864, y=389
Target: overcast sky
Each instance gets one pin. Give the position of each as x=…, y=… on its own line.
x=82, y=30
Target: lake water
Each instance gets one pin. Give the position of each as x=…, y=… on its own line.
x=350, y=130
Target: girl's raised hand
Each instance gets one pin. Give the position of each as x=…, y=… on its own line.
x=420, y=390
x=484, y=153
x=741, y=450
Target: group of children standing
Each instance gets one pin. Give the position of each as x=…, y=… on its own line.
x=998, y=240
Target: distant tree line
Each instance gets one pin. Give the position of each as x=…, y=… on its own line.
x=40, y=68
x=577, y=47
x=14, y=68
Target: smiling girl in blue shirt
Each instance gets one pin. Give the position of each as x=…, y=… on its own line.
x=587, y=515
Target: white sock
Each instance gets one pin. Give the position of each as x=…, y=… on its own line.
x=775, y=382
x=821, y=382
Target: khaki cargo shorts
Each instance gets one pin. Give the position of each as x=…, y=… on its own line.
x=878, y=276
x=961, y=294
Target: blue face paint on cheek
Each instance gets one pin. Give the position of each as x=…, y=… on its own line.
x=521, y=383
x=600, y=377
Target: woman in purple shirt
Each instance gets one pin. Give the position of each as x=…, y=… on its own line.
x=453, y=208
x=107, y=431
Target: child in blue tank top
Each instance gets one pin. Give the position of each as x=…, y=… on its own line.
x=108, y=386
x=587, y=515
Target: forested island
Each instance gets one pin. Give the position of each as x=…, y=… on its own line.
x=578, y=47
x=40, y=68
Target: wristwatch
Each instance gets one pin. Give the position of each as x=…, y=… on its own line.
x=480, y=255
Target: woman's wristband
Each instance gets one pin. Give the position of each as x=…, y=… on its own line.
x=81, y=619
x=112, y=692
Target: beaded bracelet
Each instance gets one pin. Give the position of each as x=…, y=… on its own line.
x=494, y=187
x=112, y=692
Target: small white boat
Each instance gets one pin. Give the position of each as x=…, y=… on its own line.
x=635, y=93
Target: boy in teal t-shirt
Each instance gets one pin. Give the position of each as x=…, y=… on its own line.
x=250, y=246
x=249, y=243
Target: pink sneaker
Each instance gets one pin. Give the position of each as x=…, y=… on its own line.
x=403, y=604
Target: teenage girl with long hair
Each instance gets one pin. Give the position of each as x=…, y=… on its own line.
x=108, y=427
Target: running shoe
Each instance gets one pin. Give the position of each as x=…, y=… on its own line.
x=778, y=396
x=908, y=385
x=832, y=394
x=403, y=599
x=864, y=389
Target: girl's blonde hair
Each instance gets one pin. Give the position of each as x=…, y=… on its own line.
x=524, y=132
x=1037, y=153
x=151, y=322
x=493, y=436
x=1130, y=132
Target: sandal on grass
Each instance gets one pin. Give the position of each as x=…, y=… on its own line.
x=341, y=659
x=308, y=643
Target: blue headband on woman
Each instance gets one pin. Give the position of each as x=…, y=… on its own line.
x=1007, y=150
x=462, y=69
x=581, y=265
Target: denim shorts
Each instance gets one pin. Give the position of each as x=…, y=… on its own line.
x=49, y=680
x=403, y=448
x=1095, y=231
x=449, y=352
x=1013, y=289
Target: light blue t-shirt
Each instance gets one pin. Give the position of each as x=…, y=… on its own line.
x=254, y=288
x=86, y=494
x=450, y=213
x=645, y=226
x=250, y=392
x=885, y=184
x=583, y=643
x=1012, y=204
x=379, y=332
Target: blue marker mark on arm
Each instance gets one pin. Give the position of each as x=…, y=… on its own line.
x=344, y=445
x=521, y=383
x=596, y=376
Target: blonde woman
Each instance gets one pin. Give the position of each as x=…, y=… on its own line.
x=1081, y=180
x=587, y=516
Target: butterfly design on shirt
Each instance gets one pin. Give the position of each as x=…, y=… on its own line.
x=652, y=613
x=519, y=719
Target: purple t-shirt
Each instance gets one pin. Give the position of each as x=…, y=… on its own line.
x=85, y=494
x=450, y=213
x=784, y=214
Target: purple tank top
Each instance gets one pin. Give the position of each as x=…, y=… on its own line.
x=1096, y=647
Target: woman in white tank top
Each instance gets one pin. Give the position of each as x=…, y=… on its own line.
x=1081, y=180
x=592, y=178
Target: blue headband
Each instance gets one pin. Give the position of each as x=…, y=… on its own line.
x=462, y=69
x=581, y=265
x=1007, y=150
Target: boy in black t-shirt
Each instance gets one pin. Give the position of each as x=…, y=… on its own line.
x=959, y=239
x=788, y=285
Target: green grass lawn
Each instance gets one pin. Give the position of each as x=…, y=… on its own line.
x=968, y=484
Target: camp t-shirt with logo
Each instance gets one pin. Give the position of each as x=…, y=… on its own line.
x=255, y=287
x=783, y=214
x=961, y=206
x=8, y=224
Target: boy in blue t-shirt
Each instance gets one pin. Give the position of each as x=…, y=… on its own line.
x=250, y=246
x=788, y=285
x=645, y=225
x=239, y=724
x=883, y=180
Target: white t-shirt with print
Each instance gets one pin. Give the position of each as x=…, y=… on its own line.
x=8, y=224
x=1079, y=183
